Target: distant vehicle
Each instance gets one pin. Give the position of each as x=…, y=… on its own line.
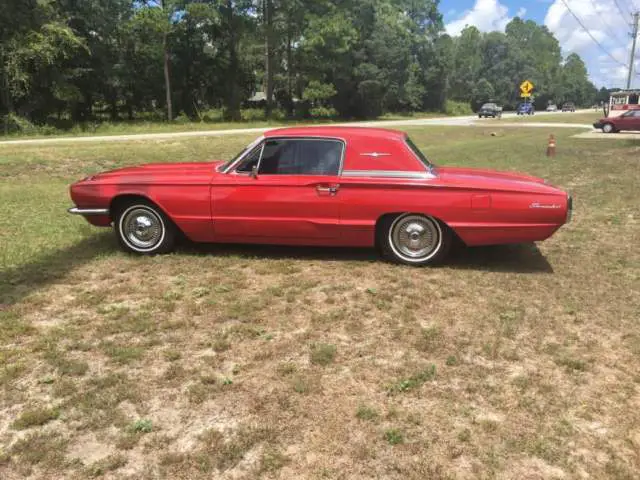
x=568, y=107
x=490, y=110
x=323, y=186
x=525, y=108
x=629, y=120
x=552, y=108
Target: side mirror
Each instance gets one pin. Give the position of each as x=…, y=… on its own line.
x=254, y=172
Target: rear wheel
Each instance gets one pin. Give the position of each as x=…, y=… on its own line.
x=143, y=228
x=414, y=239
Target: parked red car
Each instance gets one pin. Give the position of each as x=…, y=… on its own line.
x=629, y=120
x=334, y=186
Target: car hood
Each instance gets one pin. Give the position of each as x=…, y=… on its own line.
x=477, y=178
x=158, y=171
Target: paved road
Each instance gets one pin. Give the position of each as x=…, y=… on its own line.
x=447, y=121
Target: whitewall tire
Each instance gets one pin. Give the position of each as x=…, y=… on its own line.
x=143, y=228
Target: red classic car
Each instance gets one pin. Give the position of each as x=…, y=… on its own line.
x=629, y=120
x=333, y=186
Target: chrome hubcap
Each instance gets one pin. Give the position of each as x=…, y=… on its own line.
x=142, y=228
x=415, y=236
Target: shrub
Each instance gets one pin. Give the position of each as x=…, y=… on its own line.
x=253, y=114
x=323, y=112
x=182, y=119
x=17, y=124
x=452, y=107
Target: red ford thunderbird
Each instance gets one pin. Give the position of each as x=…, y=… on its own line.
x=333, y=186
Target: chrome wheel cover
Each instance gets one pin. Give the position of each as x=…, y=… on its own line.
x=141, y=228
x=415, y=238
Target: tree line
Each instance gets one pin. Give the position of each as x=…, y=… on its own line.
x=73, y=61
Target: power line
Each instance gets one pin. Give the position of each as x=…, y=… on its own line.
x=590, y=35
x=624, y=15
x=607, y=26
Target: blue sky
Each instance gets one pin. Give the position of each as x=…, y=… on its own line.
x=607, y=21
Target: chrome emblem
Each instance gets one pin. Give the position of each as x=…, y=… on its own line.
x=545, y=205
x=375, y=154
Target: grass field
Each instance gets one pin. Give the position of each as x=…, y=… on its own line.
x=246, y=362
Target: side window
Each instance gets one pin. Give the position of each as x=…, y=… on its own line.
x=320, y=157
x=251, y=161
x=301, y=157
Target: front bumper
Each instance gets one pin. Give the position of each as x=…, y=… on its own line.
x=569, y=208
x=98, y=217
x=597, y=125
x=88, y=211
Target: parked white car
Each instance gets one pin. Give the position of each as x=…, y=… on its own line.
x=552, y=108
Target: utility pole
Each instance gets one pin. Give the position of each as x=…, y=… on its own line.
x=634, y=36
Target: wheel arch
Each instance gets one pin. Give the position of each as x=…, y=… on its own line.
x=121, y=201
x=387, y=217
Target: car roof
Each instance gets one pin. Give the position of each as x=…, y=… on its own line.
x=336, y=131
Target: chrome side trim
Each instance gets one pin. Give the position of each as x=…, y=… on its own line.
x=88, y=211
x=388, y=174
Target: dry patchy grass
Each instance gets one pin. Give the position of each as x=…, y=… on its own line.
x=245, y=362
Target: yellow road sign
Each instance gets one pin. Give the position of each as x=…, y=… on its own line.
x=526, y=87
x=525, y=95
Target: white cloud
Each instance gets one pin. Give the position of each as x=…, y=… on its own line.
x=606, y=25
x=486, y=16
x=521, y=12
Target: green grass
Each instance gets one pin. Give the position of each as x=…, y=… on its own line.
x=245, y=361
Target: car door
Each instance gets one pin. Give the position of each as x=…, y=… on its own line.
x=286, y=191
x=635, y=120
x=625, y=121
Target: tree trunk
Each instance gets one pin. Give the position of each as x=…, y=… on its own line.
x=113, y=107
x=289, y=74
x=232, y=110
x=6, y=94
x=167, y=79
x=268, y=54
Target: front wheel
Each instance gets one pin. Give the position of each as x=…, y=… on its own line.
x=415, y=239
x=143, y=228
x=608, y=128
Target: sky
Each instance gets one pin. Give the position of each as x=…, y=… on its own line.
x=604, y=19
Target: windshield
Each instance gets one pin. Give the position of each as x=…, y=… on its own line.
x=430, y=166
x=228, y=163
x=488, y=105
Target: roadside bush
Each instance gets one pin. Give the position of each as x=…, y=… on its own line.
x=252, y=114
x=258, y=114
x=182, y=119
x=323, y=112
x=452, y=107
x=17, y=124
x=213, y=115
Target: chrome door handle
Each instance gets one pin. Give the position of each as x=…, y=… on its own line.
x=330, y=190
